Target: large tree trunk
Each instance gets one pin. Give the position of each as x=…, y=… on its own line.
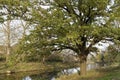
x=83, y=64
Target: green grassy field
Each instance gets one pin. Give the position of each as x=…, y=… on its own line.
x=111, y=73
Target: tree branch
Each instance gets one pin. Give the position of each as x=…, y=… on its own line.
x=61, y=47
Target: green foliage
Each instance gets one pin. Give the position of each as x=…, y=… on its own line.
x=2, y=57
x=14, y=9
x=113, y=54
x=71, y=25
x=1, y=20
x=55, y=58
x=26, y=52
x=68, y=25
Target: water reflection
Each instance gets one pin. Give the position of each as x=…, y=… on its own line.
x=70, y=71
x=27, y=78
x=53, y=78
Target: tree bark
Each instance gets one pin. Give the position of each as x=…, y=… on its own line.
x=83, y=64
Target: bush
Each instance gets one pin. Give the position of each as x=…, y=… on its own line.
x=55, y=58
x=2, y=57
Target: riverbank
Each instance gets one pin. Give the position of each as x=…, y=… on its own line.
x=109, y=73
x=35, y=66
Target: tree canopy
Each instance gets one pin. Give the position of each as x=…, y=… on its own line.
x=73, y=24
x=68, y=24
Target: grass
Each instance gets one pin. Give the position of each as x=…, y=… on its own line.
x=21, y=67
x=111, y=73
x=35, y=66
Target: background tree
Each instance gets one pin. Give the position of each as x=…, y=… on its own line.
x=10, y=35
x=7, y=36
x=12, y=13
x=113, y=54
